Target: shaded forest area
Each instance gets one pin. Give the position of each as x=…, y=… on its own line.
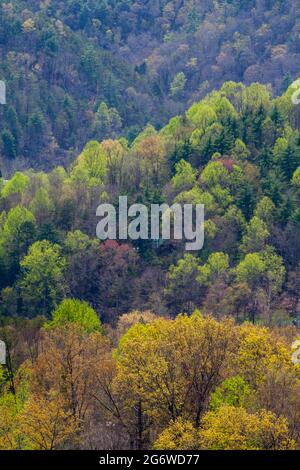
x=84, y=69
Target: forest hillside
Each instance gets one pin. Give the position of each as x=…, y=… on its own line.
x=139, y=343
x=237, y=151
x=94, y=69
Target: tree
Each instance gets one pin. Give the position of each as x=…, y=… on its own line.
x=91, y=165
x=42, y=282
x=107, y=123
x=264, y=273
x=12, y=401
x=279, y=393
x=178, y=85
x=36, y=132
x=235, y=300
x=185, y=176
x=230, y=228
x=9, y=144
x=216, y=265
x=179, y=435
x=75, y=311
x=41, y=206
x=198, y=196
x=215, y=174
x=17, y=234
x=182, y=290
x=233, y=392
x=45, y=424
x=83, y=266
x=90, y=63
x=201, y=115
x=266, y=211
x=127, y=320
x=70, y=364
x=290, y=161
x=118, y=265
x=240, y=151
x=116, y=152
x=255, y=236
x=232, y=428
x=9, y=408
x=259, y=351
x=150, y=361
x=14, y=126
x=16, y=185
x=152, y=150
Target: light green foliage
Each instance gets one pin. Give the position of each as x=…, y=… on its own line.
x=178, y=85
x=172, y=128
x=16, y=185
x=280, y=148
x=75, y=311
x=179, y=273
x=185, y=176
x=250, y=269
x=197, y=196
x=214, y=174
x=18, y=229
x=216, y=265
x=182, y=289
x=240, y=151
x=41, y=205
x=235, y=216
x=231, y=88
x=222, y=196
x=201, y=116
x=274, y=269
x=16, y=218
x=74, y=74
x=10, y=406
x=210, y=229
x=255, y=237
x=91, y=165
x=196, y=137
x=107, y=123
x=78, y=241
x=3, y=218
x=218, y=179
x=221, y=104
x=266, y=211
x=42, y=282
x=262, y=269
x=233, y=391
x=255, y=95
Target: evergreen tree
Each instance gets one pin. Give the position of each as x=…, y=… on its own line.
x=9, y=144
x=290, y=161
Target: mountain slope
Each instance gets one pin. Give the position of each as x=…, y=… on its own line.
x=78, y=69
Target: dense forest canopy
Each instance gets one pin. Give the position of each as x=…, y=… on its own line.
x=237, y=151
x=123, y=344
x=92, y=69
x=148, y=384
